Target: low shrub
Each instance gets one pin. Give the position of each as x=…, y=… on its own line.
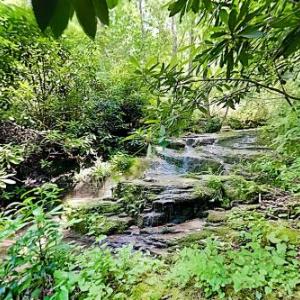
x=263, y=265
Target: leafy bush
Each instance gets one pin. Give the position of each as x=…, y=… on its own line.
x=5, y=179
x=121, y=162
x=251, y=113
x=277, y=171
x=100, y=171
x=254, y=268
x=27, y=271
x=212, y=125
x=11, y=155
x=112, y=277
x=40, y=265
x=284, y=131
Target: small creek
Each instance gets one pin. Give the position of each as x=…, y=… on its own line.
x=173, y=211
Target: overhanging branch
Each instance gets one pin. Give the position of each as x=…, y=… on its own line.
x=256, y=83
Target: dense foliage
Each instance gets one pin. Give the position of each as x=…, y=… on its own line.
x=80, y=114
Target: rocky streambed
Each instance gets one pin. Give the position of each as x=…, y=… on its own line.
x=187, y=191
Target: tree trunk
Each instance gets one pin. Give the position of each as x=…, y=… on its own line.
x=141, y=10
x=191, y=42
x=174, y=35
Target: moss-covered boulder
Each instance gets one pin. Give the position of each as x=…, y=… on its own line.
x=215, y=216
x=97, y=217
x=97, y=224
x=223, y=191
x=239, y=189
x=223, y=233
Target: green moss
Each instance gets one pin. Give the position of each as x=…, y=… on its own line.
x=224, y=233
x=156, y=288
x=217, y=216
x=98, y=224
x=238, y=188
x=281, y=231
x=133, y=196
x=113, y=225
x=95, y=220
x=108, y=207
x=225, y=189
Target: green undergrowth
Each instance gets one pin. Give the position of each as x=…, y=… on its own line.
x=224, y=190
x=97, y=221
x=278, y=171
x=247, y=257
x=119, y=166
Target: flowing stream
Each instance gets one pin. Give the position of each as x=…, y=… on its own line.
x=174, y=209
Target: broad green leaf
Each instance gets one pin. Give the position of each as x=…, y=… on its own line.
x=176, y=7
x=134, y=61
x=224, y=16
x=244, y=9
x=232, y=20
x=101, y=10
x=44, y=11
x=207, y=4
x=251, y=33
x=8, y=181
x=284, y=22
x=86, y=16
x=61, y=17
x=195, y=6
x=229, y=59
x=290, y=44
x=63, y=294
x=112, y=3
x=218, y=34
x=243, y=58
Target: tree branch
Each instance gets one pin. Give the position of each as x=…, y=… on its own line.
x=265, y=86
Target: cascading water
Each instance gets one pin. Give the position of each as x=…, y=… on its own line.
x=188, y=150
x=174, y=209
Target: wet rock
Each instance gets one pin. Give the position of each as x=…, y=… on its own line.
x=176, y=144
x=202, y=141
x=152, y=219
x=190, y=161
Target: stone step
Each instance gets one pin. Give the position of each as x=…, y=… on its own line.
x=152, y=219
x=175, y=191
x=177, y=198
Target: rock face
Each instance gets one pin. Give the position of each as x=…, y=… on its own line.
x=214, y=151
x=175, y=199
x=167, y=199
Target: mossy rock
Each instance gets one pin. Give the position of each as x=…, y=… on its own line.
x=223, y=190
x=240, y=189
x=215, y=216
x=108, y=207
x=99, y=207
x=98, y=219
x=281, y=231
x=133, y=195
x=114, y=225
x=98, y=225
x=156, y=288
x=223, y=233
